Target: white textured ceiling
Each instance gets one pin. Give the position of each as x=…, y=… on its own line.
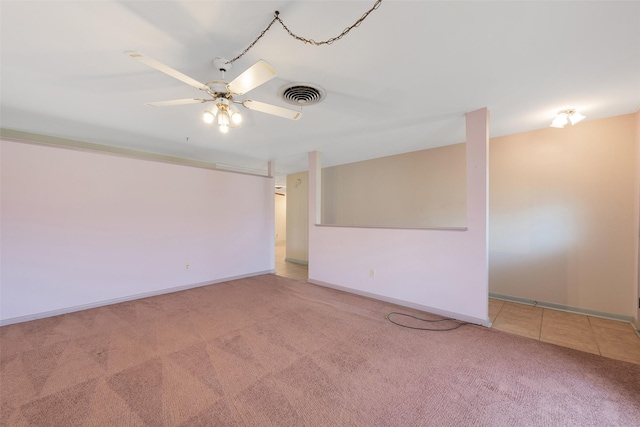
x=399, y=82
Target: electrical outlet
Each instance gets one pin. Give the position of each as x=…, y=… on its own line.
x=372, y=273
x=187, y=266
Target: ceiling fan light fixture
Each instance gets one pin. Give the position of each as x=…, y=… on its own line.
x=222, y=109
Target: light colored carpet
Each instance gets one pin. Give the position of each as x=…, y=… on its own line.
x=274, y=351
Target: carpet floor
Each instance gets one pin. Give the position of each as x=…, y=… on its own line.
x=272, y=351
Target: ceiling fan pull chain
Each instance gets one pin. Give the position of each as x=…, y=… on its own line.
x=302, y=39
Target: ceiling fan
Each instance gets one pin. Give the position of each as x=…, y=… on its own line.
x=222, y=107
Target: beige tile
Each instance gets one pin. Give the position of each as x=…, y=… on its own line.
x=565, y=319
x=568, y=330
x=517, y=327
x=495, y=305
x=521, y=309
x=618, y=344
x=289, y=269
x=519, y=319
x=597, y=322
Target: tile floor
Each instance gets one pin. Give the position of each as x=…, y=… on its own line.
x=289, y=269
x=608, y=338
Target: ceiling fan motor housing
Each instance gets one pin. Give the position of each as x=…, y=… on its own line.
x=222, y=64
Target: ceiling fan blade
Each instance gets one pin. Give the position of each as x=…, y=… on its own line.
x=272, y=109
x=252, y=77
x=167, y=70
x=177, y=102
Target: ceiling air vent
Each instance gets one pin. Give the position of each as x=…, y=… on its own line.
x=301, y=94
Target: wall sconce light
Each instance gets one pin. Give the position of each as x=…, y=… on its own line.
x=565, y=117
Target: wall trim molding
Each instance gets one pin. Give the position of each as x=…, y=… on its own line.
x=97, y=304
x=12, y=135
x=561, y=307
x=403, y=303
x=393, y=228
x=54, y=141
x=297, y=261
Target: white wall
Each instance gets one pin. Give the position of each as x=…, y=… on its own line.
x=80, y=228
x=443, y=271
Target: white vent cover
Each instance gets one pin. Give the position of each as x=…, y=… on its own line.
x=301, y=94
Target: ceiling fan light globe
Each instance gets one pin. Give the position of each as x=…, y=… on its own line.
x=223, y=118
x=208, y=117
x=236, y=118
x=224, y=128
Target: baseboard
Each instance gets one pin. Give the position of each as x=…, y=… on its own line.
x=408, y=304
x=561, y=307
x=297, y=261
x=636, y=326
x=66, y=310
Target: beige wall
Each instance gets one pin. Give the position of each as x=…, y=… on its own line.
x=297, y=217
x=281, y=218
x=562, y=214
x=420, y=189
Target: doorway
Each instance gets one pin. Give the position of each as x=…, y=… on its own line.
x=284, y=267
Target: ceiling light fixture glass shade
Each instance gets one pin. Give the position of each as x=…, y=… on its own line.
x=223, y=121
x=208, y=117
x=565, y=117
x=560, y=121
x=236, y=117
x=223, y=118
x=576, y=117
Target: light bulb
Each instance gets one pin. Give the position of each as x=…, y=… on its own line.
x=208, y=117
x=224, y=128
x=236, y=118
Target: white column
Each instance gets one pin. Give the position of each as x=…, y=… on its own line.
x=478, y=192
x=315, y=188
